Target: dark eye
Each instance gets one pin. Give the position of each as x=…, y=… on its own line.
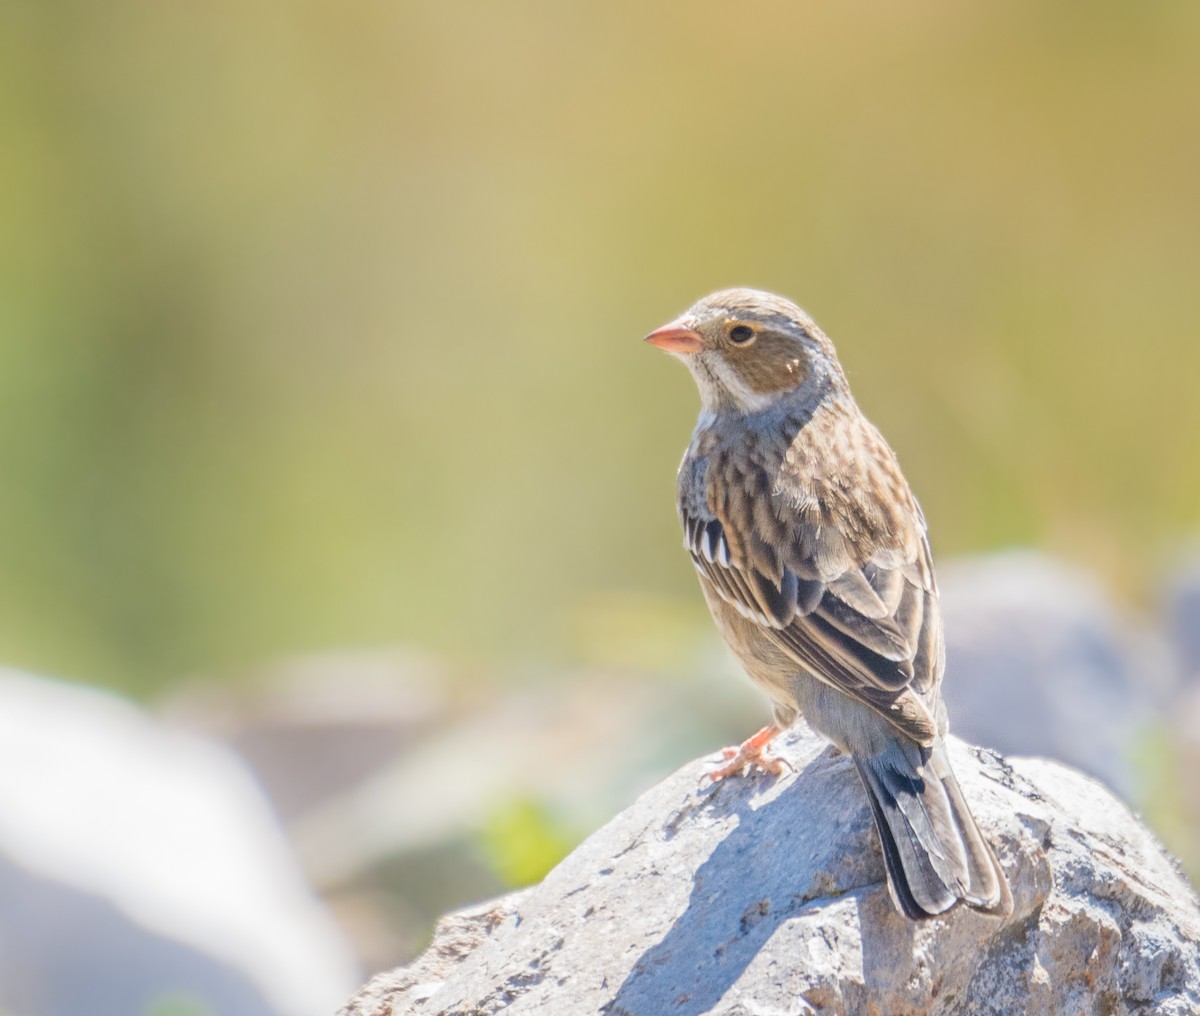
x=741, y=334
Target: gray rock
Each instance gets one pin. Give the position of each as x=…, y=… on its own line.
x=767, y=896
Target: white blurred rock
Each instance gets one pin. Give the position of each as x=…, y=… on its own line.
x=768, y=896
x=138, y=862
x=1039, y=661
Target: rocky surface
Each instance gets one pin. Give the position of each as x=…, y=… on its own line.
x=767, y=895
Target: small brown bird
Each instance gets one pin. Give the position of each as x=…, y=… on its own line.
x=814, y=559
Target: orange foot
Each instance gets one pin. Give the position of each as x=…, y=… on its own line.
x=751, y=754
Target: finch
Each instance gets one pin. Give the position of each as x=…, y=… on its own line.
x=814, y=560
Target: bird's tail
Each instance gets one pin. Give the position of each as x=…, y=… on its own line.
x=934, y=852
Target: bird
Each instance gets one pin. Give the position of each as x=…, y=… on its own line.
x=814, y=559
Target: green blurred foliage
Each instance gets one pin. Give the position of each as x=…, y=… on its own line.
x=319, y=324
x=179, y=1004
x=522, y=841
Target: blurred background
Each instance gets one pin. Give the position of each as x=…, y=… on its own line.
x=328, y=440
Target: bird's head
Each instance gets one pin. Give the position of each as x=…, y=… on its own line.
x=748, y=350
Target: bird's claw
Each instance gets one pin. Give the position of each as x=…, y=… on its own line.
x=750, y=755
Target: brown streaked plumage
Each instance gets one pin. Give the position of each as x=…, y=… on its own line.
x=814, y=560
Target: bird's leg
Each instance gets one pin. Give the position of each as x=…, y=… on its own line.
x=751, y=753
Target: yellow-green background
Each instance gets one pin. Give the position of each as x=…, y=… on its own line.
x=320, y=323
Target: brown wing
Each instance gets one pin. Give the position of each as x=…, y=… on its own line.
x=837, y=573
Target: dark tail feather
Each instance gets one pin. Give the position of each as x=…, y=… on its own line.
x=933, y=850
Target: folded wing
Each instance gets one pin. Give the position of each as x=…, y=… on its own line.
x=843, y=587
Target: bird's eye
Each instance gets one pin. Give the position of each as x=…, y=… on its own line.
x=741, y=334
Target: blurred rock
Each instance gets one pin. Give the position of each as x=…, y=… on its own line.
x=316, y=729
x=312, y=727
x=141, y=865
x=582, y=743
x=768, y=896
x=1039, y=661
x=1181, y=610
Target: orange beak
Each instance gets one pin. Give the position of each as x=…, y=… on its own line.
x=676, y=339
